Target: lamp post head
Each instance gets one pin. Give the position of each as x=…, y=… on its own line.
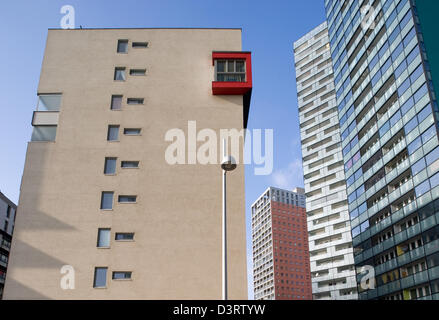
x=228, y=163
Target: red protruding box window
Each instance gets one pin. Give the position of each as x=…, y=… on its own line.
x=233, y=87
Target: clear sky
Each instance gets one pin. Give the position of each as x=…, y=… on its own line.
x=269, y=30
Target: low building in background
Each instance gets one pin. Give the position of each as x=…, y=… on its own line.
x=281, y=268
x=7, y=220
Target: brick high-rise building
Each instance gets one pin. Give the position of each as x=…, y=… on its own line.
x=280, y=246
x=98, y=196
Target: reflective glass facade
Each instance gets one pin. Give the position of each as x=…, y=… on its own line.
x=389, y=131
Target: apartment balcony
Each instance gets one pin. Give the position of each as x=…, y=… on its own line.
x=349, y=283
x=6, y=245
x=45, y=118
x=320, y=129
x=233, y=73
x=325, y=225
x=317, y=114
x=410, y=256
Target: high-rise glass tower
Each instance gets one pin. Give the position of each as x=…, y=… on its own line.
x=329, y=230
x=389, y=131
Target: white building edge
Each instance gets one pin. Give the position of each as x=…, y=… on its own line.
x=329, y=230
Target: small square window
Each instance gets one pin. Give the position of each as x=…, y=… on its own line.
x=122, y=275
x=127, y=199
x=140, y=44
x=119, y=74
x=113, y=133
x=110, y=166
x=137, y=72
x=124, y=236
x=135, y=101
x=130, y=164
x=104, y=238
x=107, y=200
x=132, y=131
x=116, y=102
x=122, y=46
x=100, y=278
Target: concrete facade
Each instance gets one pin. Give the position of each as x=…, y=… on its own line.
x=176, y=218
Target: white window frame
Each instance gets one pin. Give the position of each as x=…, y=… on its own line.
x=230, y=72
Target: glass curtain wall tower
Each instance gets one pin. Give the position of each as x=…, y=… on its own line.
x=389, y=131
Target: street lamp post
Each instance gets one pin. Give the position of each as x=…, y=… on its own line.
x=227, y=164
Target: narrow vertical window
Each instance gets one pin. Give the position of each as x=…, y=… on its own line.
x=107, y=200
x=119, y=74
x=116, y=102
x=110, y=166
x=122, y=46
x=100, y=278
x=104, y=238
x=113, y=133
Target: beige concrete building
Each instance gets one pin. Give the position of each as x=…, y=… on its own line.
x=97, y=193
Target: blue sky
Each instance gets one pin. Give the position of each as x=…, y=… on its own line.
x=269, y=29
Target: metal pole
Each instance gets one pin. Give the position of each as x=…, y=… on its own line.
x=224, y=240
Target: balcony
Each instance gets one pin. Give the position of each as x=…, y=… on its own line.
x=45, y=118
x=6, y=245
x=233, y=74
